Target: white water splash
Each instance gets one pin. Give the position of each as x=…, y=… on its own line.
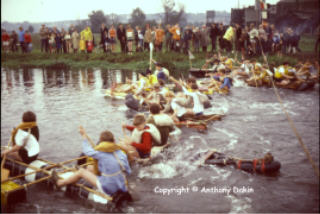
x=240, y=205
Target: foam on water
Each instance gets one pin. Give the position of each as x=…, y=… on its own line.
x=180, y=164
x=273, y=108
x=239, y=83
x=240, y=204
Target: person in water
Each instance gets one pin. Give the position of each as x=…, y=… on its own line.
x=112, y=165
x=25, y=146
x=162, y=121
x=143, y=136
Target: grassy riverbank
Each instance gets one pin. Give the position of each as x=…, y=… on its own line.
x=175, y=62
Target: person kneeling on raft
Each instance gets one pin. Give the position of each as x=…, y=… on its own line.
x=25, y=146
x=143, y=136
x=112, y=165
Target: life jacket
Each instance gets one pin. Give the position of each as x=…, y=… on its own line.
x=22, y=126
x=104, y=146
x=165, y=125
x=152, y=80
x=156, y=137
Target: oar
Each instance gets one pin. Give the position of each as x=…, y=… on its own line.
x=79, y=185
x=151, y=49
x=254, y=76
x=5, y=172
x=216, y=84
x=42, y=169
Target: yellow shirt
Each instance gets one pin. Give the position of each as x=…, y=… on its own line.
x=229, y=34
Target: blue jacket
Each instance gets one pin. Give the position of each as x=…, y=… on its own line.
x=21, y=36
x=107, y=165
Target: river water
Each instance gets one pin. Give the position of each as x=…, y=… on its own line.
x=254, y=124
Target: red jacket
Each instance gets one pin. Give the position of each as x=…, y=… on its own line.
x=146, y=141
x=5, y=37
x=27, y=38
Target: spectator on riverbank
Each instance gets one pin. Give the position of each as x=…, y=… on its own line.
x=21, y=40
x=112, y=37
x=204, y=40
x=44, y=38
x=75, y=41
x=168, y=38
x=14, y=41
x=121, y=34
x=147, y=37
x=213, y=36
x=176, y=36
x=67, y=39
x=130, y=38
x=103, y=37
x=28, y=41
x=159, y=37
x=5, y=40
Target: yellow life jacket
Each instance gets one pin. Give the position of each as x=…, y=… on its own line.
x=103, y=147
x=152, y=80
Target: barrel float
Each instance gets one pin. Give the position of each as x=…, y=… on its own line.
x=263, y=168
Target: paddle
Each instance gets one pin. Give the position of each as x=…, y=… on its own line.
x=151, y=49
x=5, y=172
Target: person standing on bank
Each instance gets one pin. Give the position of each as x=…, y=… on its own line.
x=121, y=34
x=104, y=36
x=21, y=40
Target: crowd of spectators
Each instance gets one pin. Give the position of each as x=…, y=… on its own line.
x=250, y=40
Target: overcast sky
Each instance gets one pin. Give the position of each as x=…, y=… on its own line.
x=59, y=10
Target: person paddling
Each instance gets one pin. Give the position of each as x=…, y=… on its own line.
x=25, y=145
x=143, y=135
x=112, y=164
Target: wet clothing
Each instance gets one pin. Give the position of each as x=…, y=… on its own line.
x=164, y=124
x=143, y=140
x=29, y=149
x=112, y=176
x=197, y=105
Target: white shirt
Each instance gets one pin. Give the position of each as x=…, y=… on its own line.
x=32, y=145
x=197, y=105
x=180, y=110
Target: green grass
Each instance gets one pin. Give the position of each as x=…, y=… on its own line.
x=175, y=62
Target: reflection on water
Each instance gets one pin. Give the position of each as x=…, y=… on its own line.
x=100, y=79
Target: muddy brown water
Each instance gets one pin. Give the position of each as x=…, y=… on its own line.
x=254, y=124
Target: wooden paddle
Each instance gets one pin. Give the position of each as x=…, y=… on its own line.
x=5, y=172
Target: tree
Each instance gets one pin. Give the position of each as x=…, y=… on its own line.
x=30, y=29
x=113, y=19
x=96, y=19
x=171, y=16
x=137, y=17
x=80, y=26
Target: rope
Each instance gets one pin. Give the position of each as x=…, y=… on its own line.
x=305, y=149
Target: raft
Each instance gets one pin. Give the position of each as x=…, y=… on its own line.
x=199, y=73
x=198, y=122
x=307, y=85
x=251, y=166
x=83, y=191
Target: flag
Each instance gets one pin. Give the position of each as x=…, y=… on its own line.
x=190, y=55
